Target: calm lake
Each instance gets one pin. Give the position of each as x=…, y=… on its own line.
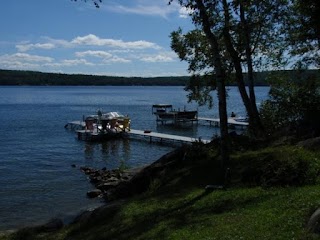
x=36, y=151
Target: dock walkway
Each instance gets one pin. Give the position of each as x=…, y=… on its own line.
x=231, y=121
x=75, y=125
x=163, y=136
x=79, y=127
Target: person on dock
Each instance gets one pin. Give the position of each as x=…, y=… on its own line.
x=233, y=115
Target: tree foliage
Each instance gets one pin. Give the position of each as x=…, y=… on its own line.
x=95, y=2
x=245, y=33
x=302, y=30
x=12, y=77
x=294, y=104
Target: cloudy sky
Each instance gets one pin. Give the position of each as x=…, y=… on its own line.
x=121, y=38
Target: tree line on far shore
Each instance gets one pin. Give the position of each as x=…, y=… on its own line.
x=33, y=78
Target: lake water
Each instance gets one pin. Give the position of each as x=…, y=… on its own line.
x=36, y=152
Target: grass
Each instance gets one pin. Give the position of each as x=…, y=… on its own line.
x=177, y=206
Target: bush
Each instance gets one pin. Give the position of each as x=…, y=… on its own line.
x=282, y=166
x=294, y=105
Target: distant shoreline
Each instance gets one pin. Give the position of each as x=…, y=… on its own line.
x=33, y=78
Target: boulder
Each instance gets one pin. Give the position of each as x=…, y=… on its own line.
x=51, y=226
x=314, y=222
x=95, y=179
x=310, y=144
x=83, y=217
x=108, y=185
x=94, y=193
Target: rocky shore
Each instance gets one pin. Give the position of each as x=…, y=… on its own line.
x=116, y=184
x=104, y=180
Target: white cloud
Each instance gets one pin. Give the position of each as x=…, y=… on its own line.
x=86, y=53
x=58, y=42
x=23, y=61
x=75, y=62
x=107, y=57
x=185, y=12
x=90, y=40
x=162, y=57
x=116, y=59
x=27, y=47
x=100, y=54
x=24, y=57
x=19, y=65
x=149, y=8
x=49, y=43
x=142, y=7
x=158, y=58
x=93, y=40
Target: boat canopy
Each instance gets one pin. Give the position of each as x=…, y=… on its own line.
x=156, y=108
x=112, y=115
x=162, y=105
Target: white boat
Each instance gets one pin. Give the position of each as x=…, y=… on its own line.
x=103, y=126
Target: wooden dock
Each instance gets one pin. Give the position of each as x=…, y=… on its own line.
x=231, y=121
x=75, y=125
x=161, y=136
x=79, y=126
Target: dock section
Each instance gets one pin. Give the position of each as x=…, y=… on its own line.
x=231, y=121
x=75, y=125
x=161, y=136
x=79, y=127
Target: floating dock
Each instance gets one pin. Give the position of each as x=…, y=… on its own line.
x=79, y=126
x=231, y=121
x=75, y=125
x=161, y=136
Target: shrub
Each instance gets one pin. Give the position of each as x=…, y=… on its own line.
x=294, y=104
x=282, y=166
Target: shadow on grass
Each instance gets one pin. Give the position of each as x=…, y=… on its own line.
x=162, y=221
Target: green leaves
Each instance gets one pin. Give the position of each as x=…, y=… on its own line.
x=294, y=102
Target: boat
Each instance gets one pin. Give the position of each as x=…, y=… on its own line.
x=103, y=126
x=165, y=113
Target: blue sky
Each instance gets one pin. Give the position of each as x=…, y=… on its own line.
x=121, y=38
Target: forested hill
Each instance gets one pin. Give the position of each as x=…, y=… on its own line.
x=15, y=77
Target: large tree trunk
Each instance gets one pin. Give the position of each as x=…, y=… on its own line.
x=220, y=78
x=246, y=37
x=255, y=125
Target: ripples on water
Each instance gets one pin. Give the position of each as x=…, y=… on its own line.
x=36, y=152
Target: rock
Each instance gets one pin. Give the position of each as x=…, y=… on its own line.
x=83, y=217
x=94, y=193
x=53, y=225
x=95, y=179
x=116, y=184
x=106, y=186
x=142, y=177
x=314, y=222
x=310, y=144
x=113, y=179
x=99, y=213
